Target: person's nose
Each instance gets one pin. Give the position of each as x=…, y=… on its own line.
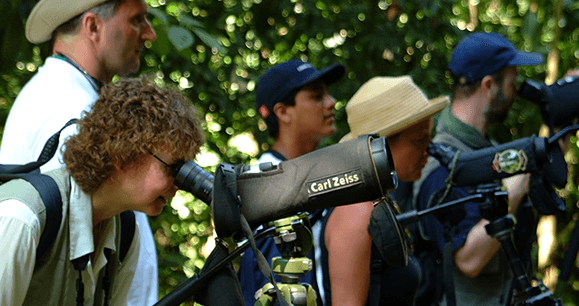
x=148, y=32
x=329, y=101
x=428, y=141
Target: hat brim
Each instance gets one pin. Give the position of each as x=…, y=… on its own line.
x=48, y=15
x=329, y=75
x=526, y=59
x=434, y=106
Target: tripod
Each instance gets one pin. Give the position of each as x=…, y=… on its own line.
x=293, y=239
x=494, y=209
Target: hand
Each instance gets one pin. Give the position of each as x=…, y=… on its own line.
x=518, y=187
x=572, y=72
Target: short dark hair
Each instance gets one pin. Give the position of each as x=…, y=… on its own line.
x=272, y=123
x=463, y=91
x=104, y=10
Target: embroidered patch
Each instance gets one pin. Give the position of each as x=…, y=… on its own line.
x=510, y=161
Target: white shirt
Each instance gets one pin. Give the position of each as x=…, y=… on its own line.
x=57, y=93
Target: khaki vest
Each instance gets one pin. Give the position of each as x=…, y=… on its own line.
x=54, y=278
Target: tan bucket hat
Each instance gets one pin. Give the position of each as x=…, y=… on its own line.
x=48, y=15
x=387, y=105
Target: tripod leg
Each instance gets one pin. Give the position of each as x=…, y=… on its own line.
x=568, y=261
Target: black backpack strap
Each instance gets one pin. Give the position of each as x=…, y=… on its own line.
x=448, y=274
x=47, y=153
x=46, y=187
x=376, y=269
x=50, y=195
x=127, y=232
x=79, y=265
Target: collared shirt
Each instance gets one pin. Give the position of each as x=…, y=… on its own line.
x=18, y=254
x=461, y=131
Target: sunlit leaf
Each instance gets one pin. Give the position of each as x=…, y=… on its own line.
x=159, y=14
x=190, y=22
x=180, y=37
x=161, y=45
x=211, y=41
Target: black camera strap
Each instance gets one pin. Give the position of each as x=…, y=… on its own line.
x=226, y=179
x=447, y=262
x=96, y=84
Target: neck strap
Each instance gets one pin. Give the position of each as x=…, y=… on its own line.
x=277, y=154
x=96, y=84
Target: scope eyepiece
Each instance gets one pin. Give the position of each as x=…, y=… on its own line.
x=192, y=178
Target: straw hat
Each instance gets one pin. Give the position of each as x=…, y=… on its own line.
x=47, y=15
x=387, y=105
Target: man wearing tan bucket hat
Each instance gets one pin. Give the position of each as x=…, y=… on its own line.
x=393, y=107
x=92, y=41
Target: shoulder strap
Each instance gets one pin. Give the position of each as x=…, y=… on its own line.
x=46, y=187
x=448, y=274
x=447, y=264
x=376, y=268
x=127, y=232
x=47, y=152
x=50, y=194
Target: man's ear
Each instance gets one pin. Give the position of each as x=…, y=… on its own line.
x=91, y=26
x=283, y=112
x=486, y=85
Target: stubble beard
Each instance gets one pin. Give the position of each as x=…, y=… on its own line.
x=498, y=109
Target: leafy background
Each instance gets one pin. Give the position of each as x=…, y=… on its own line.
x=215, y=50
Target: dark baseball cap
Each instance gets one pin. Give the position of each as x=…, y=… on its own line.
x=481, y=54
x=279, y=82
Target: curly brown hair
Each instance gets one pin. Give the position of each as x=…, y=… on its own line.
x=131, y=118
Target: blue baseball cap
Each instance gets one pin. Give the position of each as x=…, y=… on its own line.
x=481, y=54
x=279, y=82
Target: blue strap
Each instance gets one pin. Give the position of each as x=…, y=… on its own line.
x=50, y=194
x=127, y=232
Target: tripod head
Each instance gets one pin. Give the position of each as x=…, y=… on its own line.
x=293, y=239
x=293, y=236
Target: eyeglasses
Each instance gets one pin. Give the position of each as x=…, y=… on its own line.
x=174, y=168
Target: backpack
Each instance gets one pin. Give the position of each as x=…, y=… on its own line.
x=436, y=265
x=431, y=286
x=50, y=195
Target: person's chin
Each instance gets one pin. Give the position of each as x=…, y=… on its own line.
x=413, y=177
x=154, y=211
x=330, y=129
x=130, y=67
x=155, y=208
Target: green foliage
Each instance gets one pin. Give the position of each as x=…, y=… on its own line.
x=216, y=49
